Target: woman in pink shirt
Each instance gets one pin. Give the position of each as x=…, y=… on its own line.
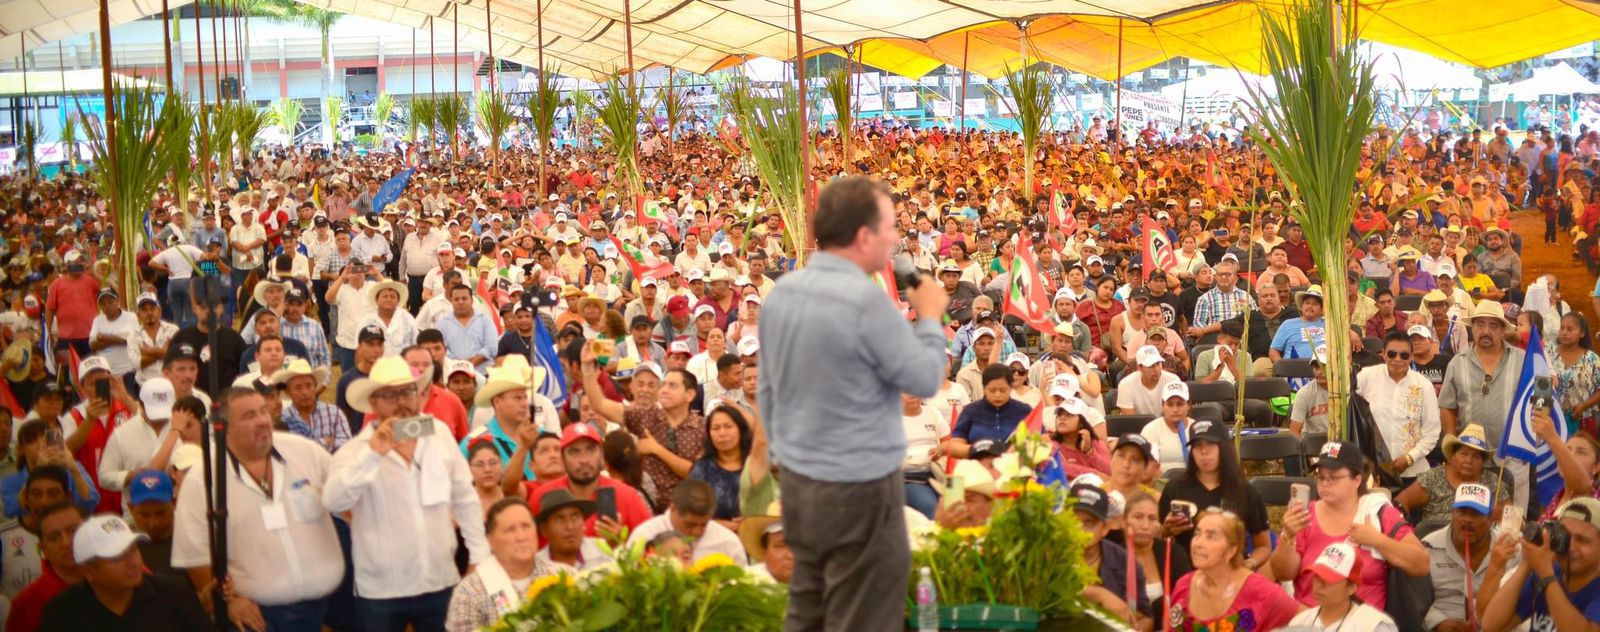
x=1221, y=594
x=1345, y=513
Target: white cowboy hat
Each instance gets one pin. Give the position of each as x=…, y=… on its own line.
x=388, y=284
x=501, y=380
x=529, y=375
x=260, y=293
x=387, y=372
x=297, y=368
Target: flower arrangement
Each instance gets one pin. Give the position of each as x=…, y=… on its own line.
x=640, y=593
x=1030, y=555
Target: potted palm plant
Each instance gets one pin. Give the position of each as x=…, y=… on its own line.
x=837, y=85
x=286, y=115
x=449, y=111
x=332, y=117
x=494, y=115
x=619, y=116
x=1312, y=131
x=422, y=115
x=542, y=106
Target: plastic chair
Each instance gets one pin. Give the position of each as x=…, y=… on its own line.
x=1118, y=425
x=1265, y=389
x=1202, y=392
x=1311, y=445
x=1297, y=367
x=1279, y=446
x=1274, y=490
x=1408, y=302
x=1431, y=525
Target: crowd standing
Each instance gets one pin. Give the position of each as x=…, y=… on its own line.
x=435, y=396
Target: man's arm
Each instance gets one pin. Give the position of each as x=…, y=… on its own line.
x=612, y=411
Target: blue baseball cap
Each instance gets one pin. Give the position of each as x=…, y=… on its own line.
x=148, y=486
x=1473, y=496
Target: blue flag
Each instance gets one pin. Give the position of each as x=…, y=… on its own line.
x=390, y=191
x=1518, y=441
x=544, y=355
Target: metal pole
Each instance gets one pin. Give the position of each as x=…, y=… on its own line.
x=627, y=33
x=455, y=51
x=1117, y=126
x=538, y=18
x=433, y=61
x=166, y=41
x=216, y=57
x=805, y=133
x=966, y=47
x=633, y=91
x=488, y=25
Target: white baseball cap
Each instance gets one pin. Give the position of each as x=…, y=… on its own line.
x=749, y=346
x=1067, y=382
x=92, y=364
x=1175, y=389
x=648, y=281
x=1420, y=330
x=103, y=536
x=981, y=332
x=704, y=309
x=1149, y=356
x=679, y=346
x=1338, y=562
x=147, y=297
x=1473, y=496
x=1021, y=357
x=1071, y=405
x=157, y=396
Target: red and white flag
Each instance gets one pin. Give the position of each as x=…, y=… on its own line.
x=1155, y=249
x=1027, y=298
x=1061, y=214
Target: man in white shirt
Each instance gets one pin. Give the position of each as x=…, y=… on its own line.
x=419, y=256
x=283, y=553
x=348, y=293
x=132, y=444
x=693, y=503
x=178, y=263
x=370, y=246
x=1140, y=392
x=247, y=240
x=1404, y=407
x=407, y=488
x=110, y=332
x=691, y=257
x=433, y=281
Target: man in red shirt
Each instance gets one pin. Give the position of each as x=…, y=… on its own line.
x=94, y=418
x=583, y=460
x=57, y=525
x=72, y=300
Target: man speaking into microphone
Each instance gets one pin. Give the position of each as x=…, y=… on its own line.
x=836, y=355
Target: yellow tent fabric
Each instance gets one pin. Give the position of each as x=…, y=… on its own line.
x=586, y=38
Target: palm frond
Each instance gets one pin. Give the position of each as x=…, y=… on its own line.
x=671, y=99
x=180, y=156
x=773, y=129
x=1035, y=95
x=450, y=113
x=28, y=139
x=582, y=104
x=220, y=125
x=333, y=115
x=129, y=181
x=422, y=115
x=382, y=107
x=70, y=138
x=837, y=86
x=1312, y=130
x=619, y=116
x=286, y=114
x=494, y=115
x=247, y=125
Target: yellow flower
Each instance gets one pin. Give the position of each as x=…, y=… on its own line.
x=973, y=533
x=1033, y=487
x=709, y=562
x=547, y=581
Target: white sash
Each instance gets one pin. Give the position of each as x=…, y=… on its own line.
x=503, y=596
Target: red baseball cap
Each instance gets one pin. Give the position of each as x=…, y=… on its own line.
x=678, y=306
x=578, y=432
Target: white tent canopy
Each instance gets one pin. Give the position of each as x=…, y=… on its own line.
x=1219, y=83
x=1396, y=68
x=1557, y=79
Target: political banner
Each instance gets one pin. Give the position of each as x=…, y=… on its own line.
x=944, y=109
x=1140, y=109
x=905, y=100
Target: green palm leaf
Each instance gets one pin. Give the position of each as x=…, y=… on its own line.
x=333, y=115
x=774, y=131
x=247, y=125
x=619, y=118
x=422, y=115
x=1035, y=95
x=1312, y=130
x=494, y=115
x=381, y=109
x=286, y=115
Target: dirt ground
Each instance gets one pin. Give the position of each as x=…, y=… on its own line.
x=1576, y=281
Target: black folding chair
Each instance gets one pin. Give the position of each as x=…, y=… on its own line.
x=1202, y=392
x=1274, y=490
x=1408, y=302
x=1279, y=446
x=1296, y=367
x=1266, y=388
x=1311, y=445
x=1118, y=425
x=1431, y=525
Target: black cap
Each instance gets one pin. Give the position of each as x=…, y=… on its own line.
x=368, y=333
x=1139, y=293
x=1136, y=440
x=1091, y=499
x=47, y=388
x=985, y=315
x=641, y=321
x=1341, y=454
x=181, y=351
x=1207, y=430
x=987, y=448
x=294, y=295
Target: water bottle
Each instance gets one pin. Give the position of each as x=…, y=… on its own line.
x=927, y=603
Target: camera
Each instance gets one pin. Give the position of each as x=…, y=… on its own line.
x=413, y=427
x=535, y=299
x=1560, y=539
x=1543, y=394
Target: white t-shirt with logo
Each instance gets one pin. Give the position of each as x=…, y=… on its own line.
x=923, y=432
x=124, y=326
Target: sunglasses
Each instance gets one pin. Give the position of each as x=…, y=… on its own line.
x=1403, y=355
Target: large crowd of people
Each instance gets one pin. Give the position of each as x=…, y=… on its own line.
x=435, y=397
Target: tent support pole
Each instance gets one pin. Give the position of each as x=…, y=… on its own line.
x=488, y=27
x=966, y=47
x=433, y=61
x=805, y=133
x=111, y=103
x=1116, y=129
x=166, y=41
x=1183, y=105
x=455, y=54
x=627, y=34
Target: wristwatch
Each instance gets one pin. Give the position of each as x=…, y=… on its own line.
x=1544, y=582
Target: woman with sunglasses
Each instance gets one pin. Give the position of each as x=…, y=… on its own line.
x=1342, y=514
x=1021, y=390
x=1221, y=593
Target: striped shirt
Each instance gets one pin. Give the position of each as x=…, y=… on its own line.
x=1216, y=306
x=327, y=425
x=309, y=333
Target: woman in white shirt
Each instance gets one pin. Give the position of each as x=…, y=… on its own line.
x=704, y=364
x=1334, y=591
x=925, y=432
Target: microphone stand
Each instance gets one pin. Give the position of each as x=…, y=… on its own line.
x=213, y=447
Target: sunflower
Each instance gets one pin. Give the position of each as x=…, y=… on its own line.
x=547, y=581
x=709, y=562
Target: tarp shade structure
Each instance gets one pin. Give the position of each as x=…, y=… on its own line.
x=50, y=82
x=910, y=37
x=1558, y=79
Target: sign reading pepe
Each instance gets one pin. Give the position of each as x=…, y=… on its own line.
x=1139, y=109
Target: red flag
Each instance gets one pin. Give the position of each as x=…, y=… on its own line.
x=486, y=291
x=1027, y=298
x=1035, y=419
x=1155, y=249
x=1061, y=214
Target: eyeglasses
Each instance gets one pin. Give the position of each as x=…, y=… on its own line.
x=1329, y=480
x=395, y=394
x=1403, y=355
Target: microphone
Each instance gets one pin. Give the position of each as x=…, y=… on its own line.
x=906, y=275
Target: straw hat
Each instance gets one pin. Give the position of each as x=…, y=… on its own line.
x=526, y=374
x=387, y=372
x=1471, y=436
x=1315, y=290
x=1489, y=309
x=753, y=528
x=388, y=284
x=260, y=293
x=299, y=368
x=501, y=380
